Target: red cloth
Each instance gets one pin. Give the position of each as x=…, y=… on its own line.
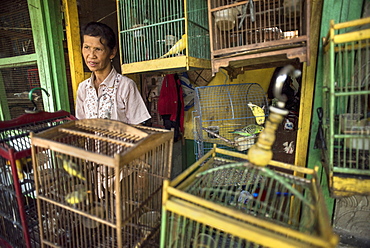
x=169, y=97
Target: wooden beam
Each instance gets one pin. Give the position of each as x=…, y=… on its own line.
x=47, y=30
x=21, y=60
x=339, y=11
x=308, y=85
x=74, y=44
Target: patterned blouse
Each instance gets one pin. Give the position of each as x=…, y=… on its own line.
x=118, y=98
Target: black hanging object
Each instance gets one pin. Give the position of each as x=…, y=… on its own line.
x=320, y=140
x=30, y=97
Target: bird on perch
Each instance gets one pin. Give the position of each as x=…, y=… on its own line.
x=179, y=46
x=77, y=196
x=71, y=167
x=248, y=130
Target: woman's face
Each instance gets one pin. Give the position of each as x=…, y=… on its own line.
x=96, y=55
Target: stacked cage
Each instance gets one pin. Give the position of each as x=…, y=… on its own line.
x=231, y=116
x=163, y=35
x=224, y=201
x=347, y=107
x=255, y=33
x=18, y=216
x=101, y=184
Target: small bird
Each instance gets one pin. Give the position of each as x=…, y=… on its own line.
x=179, y=46
x=248, y=130
x=19, y=165
x=71, y=168
x=77, y=196
x=258, y=112
x=19, y=168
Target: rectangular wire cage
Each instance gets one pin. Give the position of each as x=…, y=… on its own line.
x=231, y=116
x=163, y=35
x=346, y=107
x=253, y=30
x=18, y=215
x=227, y=202
x=101, y=184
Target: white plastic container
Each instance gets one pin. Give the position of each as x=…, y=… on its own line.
x=225, y=19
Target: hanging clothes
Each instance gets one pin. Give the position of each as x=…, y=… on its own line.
x=171, y=104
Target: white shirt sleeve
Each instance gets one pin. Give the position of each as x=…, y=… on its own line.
x=81, y=95
x=134, y=107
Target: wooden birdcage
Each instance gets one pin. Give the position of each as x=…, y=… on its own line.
x=346, y=107
x=224, y=201
x=18, y=212
x=257, y=34
x=101, y=185
x=163, y=35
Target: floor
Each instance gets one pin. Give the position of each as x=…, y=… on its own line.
x=352, y=221
x=177, y=159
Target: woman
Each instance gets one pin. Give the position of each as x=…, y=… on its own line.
x=106, y=94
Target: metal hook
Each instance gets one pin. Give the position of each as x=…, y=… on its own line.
x=30, y=97
x=283, y=74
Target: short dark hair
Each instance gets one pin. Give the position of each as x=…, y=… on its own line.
x=98, y=29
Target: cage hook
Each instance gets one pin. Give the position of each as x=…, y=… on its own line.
x=283, y=74
x=30, y=97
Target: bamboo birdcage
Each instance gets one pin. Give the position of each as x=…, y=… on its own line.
x=18, y=215
x=222, y=109
x=346, y=108
x=114, y=199
x=224, y=201
x=149, y=29
x=258, y=34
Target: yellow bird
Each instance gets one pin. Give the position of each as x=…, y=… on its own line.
x=178, y=47
x=258, y=112
x=71, y=168
x=77, y=196
x=19, y=169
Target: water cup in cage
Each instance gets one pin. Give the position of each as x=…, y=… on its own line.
x=138, y=34
x=290, y=34
x=348, y=122
x=226, y=18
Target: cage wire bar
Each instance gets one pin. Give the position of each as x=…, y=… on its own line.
x=101, y=184
x=346, y=98
x=149, y=29
x=224, y=201
x=222, y=110
x=18, y=215
x=242, y=28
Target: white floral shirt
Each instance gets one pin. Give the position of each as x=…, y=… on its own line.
x=118, y=98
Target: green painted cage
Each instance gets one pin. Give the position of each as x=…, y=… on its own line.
x=162, y=35
x=346, y=108
x=224, y=201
